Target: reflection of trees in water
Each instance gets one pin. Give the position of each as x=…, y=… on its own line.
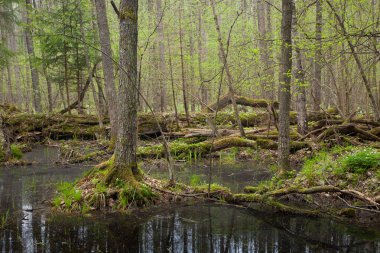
x=188, y=229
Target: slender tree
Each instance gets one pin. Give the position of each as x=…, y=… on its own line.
x=284, y=89
x=223, y=57
x=33, y=69
x=108, y=68
x=317, y=81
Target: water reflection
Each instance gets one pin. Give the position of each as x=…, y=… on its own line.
x=199, y=228
x=234, y=175
x=202, y=228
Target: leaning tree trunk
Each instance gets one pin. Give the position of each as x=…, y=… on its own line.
x=108, y=69
x=284, y=89
x=125, y=164
x=33, y=70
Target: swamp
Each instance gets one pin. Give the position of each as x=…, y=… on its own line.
x=190, y=126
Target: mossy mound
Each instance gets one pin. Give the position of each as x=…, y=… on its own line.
x=92, y=193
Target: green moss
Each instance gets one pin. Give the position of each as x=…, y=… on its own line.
x=251, y=189
x=131, y=195
x=247, y=197
x=213, y=188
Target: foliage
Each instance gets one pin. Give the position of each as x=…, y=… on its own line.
x=16, y=151
x=361, y=160
x=67, y=194
x=131, y=195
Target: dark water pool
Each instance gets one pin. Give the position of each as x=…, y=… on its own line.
x=24, y=192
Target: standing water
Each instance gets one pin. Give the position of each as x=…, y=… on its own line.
x=26, y=191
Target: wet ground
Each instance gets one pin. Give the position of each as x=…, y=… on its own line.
x=26, y=191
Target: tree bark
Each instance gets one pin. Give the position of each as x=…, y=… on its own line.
x=184, y=83
x=317, y=81
x=201, y=56
x=300, y=80
x=125, y=164
x=33, y=70
x=284, y=89
x=161, y=52
x=266, y=83
x=108, y=68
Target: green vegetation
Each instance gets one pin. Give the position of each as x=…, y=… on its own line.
x=345, y=163
x=16, y=151
x=4, y=219
x=68, y=194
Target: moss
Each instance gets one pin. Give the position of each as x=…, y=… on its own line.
x=213, y=188
x=347, y=212
x=251, y=189
x=247, y=197
x=266, y=143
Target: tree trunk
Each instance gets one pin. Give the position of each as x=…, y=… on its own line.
x=266, y=83
x=162, y=63
x=300, y=80
x=284, y=89
x=317, y=81
x=34, y=73
x=108, y=68
x=172, y=84
x=227, y=69
x=125, y=164
x=201, y=56
x=184, y=83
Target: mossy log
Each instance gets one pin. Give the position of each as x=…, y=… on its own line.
x=311, y=190
x=273, y=145
x=240, y=100
x=243, y=199
x=347, y=129
x=181, y=150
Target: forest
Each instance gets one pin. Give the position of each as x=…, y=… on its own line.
x=189, y=126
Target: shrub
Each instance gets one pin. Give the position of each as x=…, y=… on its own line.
x=361, y=160
x=16, y=151
x=68, y=194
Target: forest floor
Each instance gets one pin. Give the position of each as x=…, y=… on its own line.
x=337, y=165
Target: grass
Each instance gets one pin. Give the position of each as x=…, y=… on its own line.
x=348, y=162
x=68, y=194
x=4, y=219
x=16, y=152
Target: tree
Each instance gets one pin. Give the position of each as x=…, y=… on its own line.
x=317, y=81
x=108, y=69
x=125, y=164
x=299, y=78
x=284, y=88
x=33, y=69
x=223, y=57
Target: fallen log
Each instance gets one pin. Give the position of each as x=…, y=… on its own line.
x=182, y=150
x=240, y=100
x=347, y=129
